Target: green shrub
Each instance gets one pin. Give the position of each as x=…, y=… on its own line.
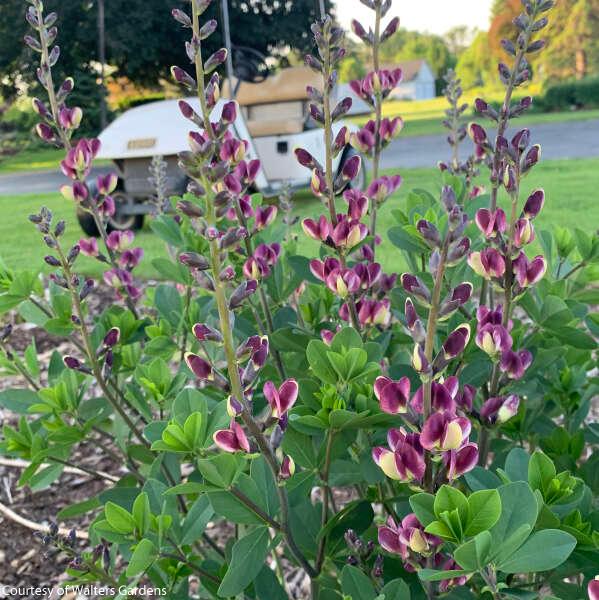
x=572, y=94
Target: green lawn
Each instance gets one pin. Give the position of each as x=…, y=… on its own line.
x=428, y=122
x=38, y=159
x=571, y=188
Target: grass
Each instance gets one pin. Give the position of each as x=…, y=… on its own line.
x=35, y=159
x=432, y=126
x=570, y=187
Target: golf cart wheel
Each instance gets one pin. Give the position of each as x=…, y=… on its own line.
x=359, y=183
x=87, y=223
x=120, y=221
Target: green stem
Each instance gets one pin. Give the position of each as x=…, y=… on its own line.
x=325, y=499
x=227, y=333
x=376, y=159
x=429, y=347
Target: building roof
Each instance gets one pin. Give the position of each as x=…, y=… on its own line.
x=409, y=68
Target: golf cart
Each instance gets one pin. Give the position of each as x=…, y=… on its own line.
x=273, y=118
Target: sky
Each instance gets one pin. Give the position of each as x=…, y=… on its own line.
x=434, y=16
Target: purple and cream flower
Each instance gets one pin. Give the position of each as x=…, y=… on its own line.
x=281, y=399
x=232, y=439
x=443, y=431
x=404, y=460
x=499, y=410
x=392, y=395
x=489, y=263
x=514, y=364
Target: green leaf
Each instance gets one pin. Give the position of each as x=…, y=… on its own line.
x=144, y=555
x=473, y=555
x=247, y=560
x=142, y=513
x=481, y=479
x=432, y=575
x=196, y=520
x=484, y=510
x=396, y=590
x=541, y=471
x=316, y=353
x=518, y=508
x=356, y=585
x=18, y=400
x=516, y=465
x=79, y=508
x=219, y=469
x=300, y=447
x=119, y=518
x=448, y=499
x=346, y=339
x=543, y=551
x=423, y=506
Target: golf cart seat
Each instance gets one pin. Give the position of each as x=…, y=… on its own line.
x=279, y=104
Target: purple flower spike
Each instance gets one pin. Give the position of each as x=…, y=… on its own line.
x=351, y=168
x=528, y=273
x=404, y=461
x=443, y=431
x=112, y=338
x=232, y=439
x=416, y=287
x=488, y=264
x=265, y=215
x=461, y=461
x=89, y=247
x=318, y=230
x=388, y=536
x=392, y=395
x=282, y=399
x=465, y=397
x=499, y=410
x=493, y=339
x=477, y=134
x=593, y=588
x=514, y=364
x=287, y=467
x=198, y=366
x=534, y=204
x=442, y=396
x=429, y=233
x=243, y=291
x=489, y=222
x=234, y=407
x=524, y=232
x=456, y=341
x=203, y=333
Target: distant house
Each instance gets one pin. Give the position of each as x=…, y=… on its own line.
x=418, y=83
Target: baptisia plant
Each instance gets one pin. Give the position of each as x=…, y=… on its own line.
x=275, y=425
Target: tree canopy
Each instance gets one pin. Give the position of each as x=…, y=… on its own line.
x=142, y=40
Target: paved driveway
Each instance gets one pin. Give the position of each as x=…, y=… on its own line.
x=576, y=139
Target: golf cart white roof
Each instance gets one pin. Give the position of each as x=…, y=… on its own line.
x=154, y=129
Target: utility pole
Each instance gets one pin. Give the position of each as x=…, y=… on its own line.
x=229, y=47
x=102, y=59
x=323, y=11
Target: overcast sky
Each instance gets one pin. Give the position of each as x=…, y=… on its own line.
x=435, y=16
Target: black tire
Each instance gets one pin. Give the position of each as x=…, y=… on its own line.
x=359, y=183
x=123, y=222
x=87, y=223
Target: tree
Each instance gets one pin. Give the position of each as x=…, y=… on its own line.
x=459, y=38
x=572, y=40
x=476, y=66
x=142, y=41
x=408, y=45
